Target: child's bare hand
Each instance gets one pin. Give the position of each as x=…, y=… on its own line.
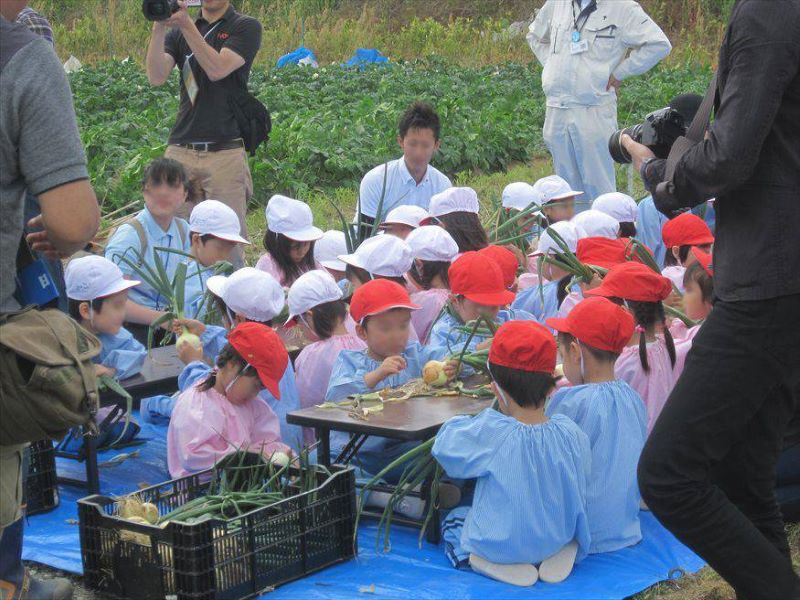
x=392, y=366
x=595, y=282
x=100, y=370
x=191, y=325
x=451, y=369
x=484, y=345
x=189, y=353
x=675, y=300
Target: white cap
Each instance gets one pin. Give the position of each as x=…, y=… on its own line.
x=454, y=199
x=312, y=289
x=328, y=248
x=568, y=231
x=407, y=214
x=384, y=255
x=597, y=224
x=250, y=292
x=553, y=188
x=432, y=242
x=292, y=218
x=520, y=195
x=617, y=205
x=91, y=277
x=212, y=217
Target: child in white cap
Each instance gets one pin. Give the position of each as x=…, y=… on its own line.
x=433, y=250
x=597, y=224
x=518, y=197
x=456, y=209
x=557, y=198
x=316, y=304
x=403, y=220
x=98, y=295
x=327, y=250
x=621, y=207
x=379, y=257
x=289, y=240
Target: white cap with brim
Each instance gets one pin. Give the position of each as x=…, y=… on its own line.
x=212, y=217
x=406, y=214
x=91, y=277
x=291, y=218
x=568, y=231
x=454, y=199
x=328, y=248
x=249, y=292
x=382, y=255
x=553, y=188
x=597, y=224
x=309, y=291
x=520, y=195
x=617, y=205
x=433, y=243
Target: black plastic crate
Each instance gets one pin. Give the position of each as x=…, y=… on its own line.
x=236, y=558
x=41, y=482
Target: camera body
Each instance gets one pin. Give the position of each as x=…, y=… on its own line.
x=159, y=10
x=658, y=132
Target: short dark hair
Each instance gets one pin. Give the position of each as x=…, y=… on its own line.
x=74, y=307
x=165, y=171
x=364, y=277
x=420, y=115
x=565, y=339
x=627, y=229
x=466, y=229
x=279, y=246
x=683, y=254
x=695, y=272
x=526, y=388
x=430, y=270
x=326, y=316
x=227, y=355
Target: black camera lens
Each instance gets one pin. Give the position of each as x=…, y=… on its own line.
x=616, y=149
x=159, y=10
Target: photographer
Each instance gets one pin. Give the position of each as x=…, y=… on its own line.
x=708, y=469
x=214, y=55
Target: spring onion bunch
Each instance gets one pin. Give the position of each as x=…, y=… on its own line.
x=512, y=228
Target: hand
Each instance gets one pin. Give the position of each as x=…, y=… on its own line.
x=189, y=353
x=595, y=282
x=637, y=151
x=191, y=325
x=100, y=370
x=484, y=345
x=451, y=368
x=675, y=300
x=613, y=82
x=392, y=366
x=40, y=241
x=180, y=19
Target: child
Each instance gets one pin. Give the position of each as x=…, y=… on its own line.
x=214, y=234
x=597, y=224
x=98, y=295
x=382, y=256
x=382, y=312
x=680, y=235
x=557, y=198
x=223, y=413
x=476, y=288
x=289, y=240
x=165, y=188
x=403, y=220
x=315, y=303
x=327, y=250
x=608, y=411
x=621, y=208
x=647, y=364
x=529, y=506
x=699, y=284
x=508, y=263
x=520, y=196
x=410, y=179
x=456, y=209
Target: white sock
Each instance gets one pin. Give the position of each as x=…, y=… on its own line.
x=413, y=508
x=519, y=574
x=557, y=568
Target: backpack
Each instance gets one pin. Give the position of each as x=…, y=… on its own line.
x=252, y=117
x=47, y=380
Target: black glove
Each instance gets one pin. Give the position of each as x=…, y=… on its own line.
x=666, y=202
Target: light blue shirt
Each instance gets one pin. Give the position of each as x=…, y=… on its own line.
x=125, y=242
x=121, y=352
x=612, y=415
x=213, y=339
x=530, y=495
x=649, y=222
x=530, y=300
x=444, y=335
x=401, y=187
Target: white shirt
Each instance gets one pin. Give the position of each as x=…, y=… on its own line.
x=401, y=187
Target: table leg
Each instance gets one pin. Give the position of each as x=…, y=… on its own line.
x=92, y=474
x=324, y=448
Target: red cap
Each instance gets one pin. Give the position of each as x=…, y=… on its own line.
x=704, y=258
x=479, y=278
x=378, y=296
x=263, y=350
x=524, y=345
x=506, y=260
x=599, y=323
x=602, y=252
x=633, y=281
x=686, y=229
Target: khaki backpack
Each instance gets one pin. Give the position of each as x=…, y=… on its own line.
x=47, y=381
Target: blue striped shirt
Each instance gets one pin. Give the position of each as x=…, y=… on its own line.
x=443, y=335
x=121, y=352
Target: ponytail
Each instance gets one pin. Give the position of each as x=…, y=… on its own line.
x=648, y=315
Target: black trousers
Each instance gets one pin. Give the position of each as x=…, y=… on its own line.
x=709, y=466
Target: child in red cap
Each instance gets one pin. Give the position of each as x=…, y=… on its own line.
x=476, y=288
x=680, y=235
x=697, y=301
x=647, y=363
x=508, y=262
x=223, y=412
x=609, y=411
x=529, y=506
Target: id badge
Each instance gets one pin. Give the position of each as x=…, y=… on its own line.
x=190, y=82
x=578, y=47
x=36, y=284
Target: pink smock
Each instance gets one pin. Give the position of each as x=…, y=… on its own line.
x=267, y=264
x=431, y=303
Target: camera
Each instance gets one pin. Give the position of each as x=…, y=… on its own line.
x=159, y=10
x=659, y=130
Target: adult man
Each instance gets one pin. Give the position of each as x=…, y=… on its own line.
x=708, y=469
x=36, y=105
x=410, y=179
x=587, y=48
x=214, y=54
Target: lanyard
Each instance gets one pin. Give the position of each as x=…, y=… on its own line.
x=208, y=33
x=579, y=20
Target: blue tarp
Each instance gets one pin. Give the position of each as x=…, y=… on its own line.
x=301, y=56
x=407, y=571
x=366, y=56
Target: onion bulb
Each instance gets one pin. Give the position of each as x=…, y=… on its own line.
x=433, y=373
x=150, y=513
x=188, y=338
x=280, y=459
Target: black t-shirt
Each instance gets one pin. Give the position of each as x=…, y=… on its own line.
x=211, y=119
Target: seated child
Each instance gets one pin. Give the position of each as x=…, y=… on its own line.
x=456, y=209
x=698, y=282
x=680, y=235
x=608, y=411
x=326, y=252
x=222, y=413
x=98, y=294
x=620, y=207
x=596, y=223
x=378, y=257
x=508, y=262
x=433, y=250
x=529, y=506
x=214, y=235
x=404, y=219
x=382, y=312
x=557, y=198
x=289, y=240
x=647, y=364
x=165, y=187
x=518, y=197
x=315, y=304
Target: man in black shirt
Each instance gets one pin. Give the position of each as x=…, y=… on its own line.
x=709, y=467
x=214, y=55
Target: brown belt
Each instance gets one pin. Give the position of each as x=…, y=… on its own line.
x=213, y=146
